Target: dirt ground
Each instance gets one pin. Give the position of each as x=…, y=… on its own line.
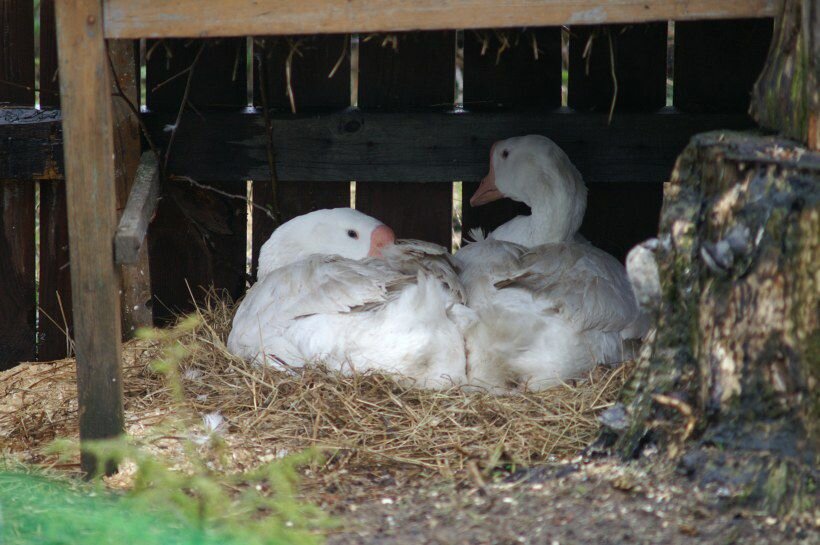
x=375, y=498
x=599, y=502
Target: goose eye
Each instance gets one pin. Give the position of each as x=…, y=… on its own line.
x=505, y=154
x=352, y=234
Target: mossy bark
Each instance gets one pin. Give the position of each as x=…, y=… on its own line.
x=786, y=97
x=734, y=366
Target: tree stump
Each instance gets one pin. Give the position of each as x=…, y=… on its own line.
x=728, y=383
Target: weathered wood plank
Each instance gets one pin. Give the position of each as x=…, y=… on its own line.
x=17, y=300
x=375, y=146
x=136, y=278
x=17, y=291
x=199, y=18
x=140, y=208
x=54, y=328
x=413, y=147
x=32, y=143
x=418, y=72
x=502, y=70
x=639, y=54
x=16, y=52
x=49, y=79
x=85, y=88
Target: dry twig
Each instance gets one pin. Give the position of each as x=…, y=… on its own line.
x=182, y=104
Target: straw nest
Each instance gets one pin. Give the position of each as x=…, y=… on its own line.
x=364, y=421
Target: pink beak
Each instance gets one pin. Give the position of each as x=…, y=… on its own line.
x=487, y=190
x=380, y=237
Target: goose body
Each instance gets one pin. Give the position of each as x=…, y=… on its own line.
x=396, y=309
x=550, y=305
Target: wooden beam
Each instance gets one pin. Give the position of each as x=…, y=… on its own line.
x=354, y=145
x=142, y=203
x=200, y=18
x=32, y=144
x=85, y=91
x=415, y=147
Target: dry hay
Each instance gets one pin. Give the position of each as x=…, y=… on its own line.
x=364, y=421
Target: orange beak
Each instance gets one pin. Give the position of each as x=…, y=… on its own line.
x=487, y=190
x=380, y=237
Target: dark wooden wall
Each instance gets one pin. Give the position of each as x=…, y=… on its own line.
x=55, y=325
x=313, y=91
x=198, y=236
x=618, y=215
x=405, y=87
x=17, y=286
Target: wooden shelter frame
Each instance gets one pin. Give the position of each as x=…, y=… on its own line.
x=84, y=25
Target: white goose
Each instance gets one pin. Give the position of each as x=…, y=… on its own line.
x=550, y=305
x=335, y=289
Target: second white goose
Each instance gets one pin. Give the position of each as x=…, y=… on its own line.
x=550, y=305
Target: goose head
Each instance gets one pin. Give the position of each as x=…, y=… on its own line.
x=534, y=170
x=339, y=231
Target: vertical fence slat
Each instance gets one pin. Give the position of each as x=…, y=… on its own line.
x=620, y=215
x=313, y=59
x=17, y=52
x=717, y=63
x=55, y=273
x=198, y=235
x=513, y=79
x=136, y=280
x=640, y=67
x=49, y=77
x=55, y=324
x=420, y=73
x=17, y=296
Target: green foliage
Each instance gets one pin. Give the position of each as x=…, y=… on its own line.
x=42, y=511
x=194, y=503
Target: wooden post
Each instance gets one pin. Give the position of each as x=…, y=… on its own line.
x=85, y=91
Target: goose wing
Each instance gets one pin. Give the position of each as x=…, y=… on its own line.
x=582, y=283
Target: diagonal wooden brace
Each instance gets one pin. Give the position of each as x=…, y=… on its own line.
x=140, y=208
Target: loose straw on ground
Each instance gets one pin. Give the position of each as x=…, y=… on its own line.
x=362, y=421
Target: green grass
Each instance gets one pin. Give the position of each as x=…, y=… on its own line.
x=195, y=503
x=37, y=510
